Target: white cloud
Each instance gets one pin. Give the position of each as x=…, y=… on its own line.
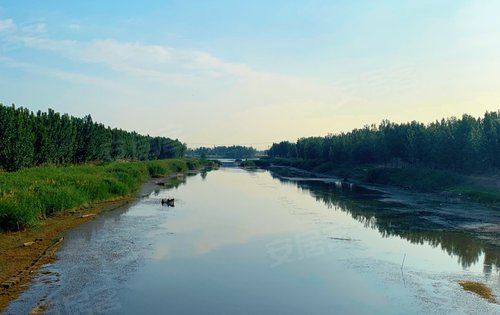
x=178, y=82
x=158, y=62
x=9, y=62
x=163, y=64
x=75, y=26
x=214, y=99
x=7, y=24
x=64, y=75
x=38, y=28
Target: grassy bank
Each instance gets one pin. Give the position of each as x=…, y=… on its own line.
x=32, y=194
x=483, y=189
x=59, y=196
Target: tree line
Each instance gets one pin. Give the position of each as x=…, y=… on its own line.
x=465, y=144
x=233, y=152
x=29, y=139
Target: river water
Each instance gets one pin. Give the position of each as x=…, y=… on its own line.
x=251, y=242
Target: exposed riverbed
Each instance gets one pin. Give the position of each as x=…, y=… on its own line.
x=248, y=242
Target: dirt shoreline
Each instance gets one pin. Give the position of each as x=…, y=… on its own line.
x=384, y=188
x=446, y=212
x=19, y=263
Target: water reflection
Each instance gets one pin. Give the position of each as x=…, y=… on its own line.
x=414, y=224
x=220, y=251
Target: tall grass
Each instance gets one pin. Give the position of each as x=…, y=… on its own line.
x=28, y=195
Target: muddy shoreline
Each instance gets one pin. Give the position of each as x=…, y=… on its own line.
x=426, y=211
x=434, y=211
x=24, y=252
x=20, y=263
x=128, y=260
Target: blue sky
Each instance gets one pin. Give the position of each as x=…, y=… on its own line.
x=250, y=72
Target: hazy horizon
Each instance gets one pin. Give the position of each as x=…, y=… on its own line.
x=250, y=73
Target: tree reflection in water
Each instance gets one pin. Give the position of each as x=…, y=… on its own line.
x=397, y=219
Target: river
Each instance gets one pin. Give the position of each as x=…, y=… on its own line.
x=252, y=242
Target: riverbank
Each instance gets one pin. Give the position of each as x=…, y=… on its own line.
x=19, y=262
x=64, y=197
x=33, y=194
x=129, y=259
x=483, y=189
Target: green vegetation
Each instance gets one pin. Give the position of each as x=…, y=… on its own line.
x=28, y=139
x=232, y=152
x=429, y=180
x=479, y=194
x=248, y=164
x=308, y=165
x=413, y=177
x=28, y=195
x=466, y=145
x=161, y=168
x=421, y=179
x=441, y=156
